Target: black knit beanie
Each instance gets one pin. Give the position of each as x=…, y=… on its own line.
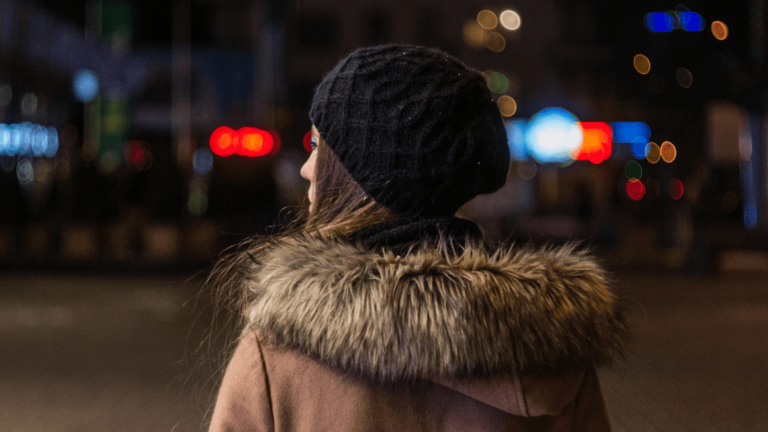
x=416, y=128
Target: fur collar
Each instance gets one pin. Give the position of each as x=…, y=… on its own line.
x=390, y=318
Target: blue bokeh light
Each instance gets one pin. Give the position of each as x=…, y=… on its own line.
x=202, y=161
x=690, y=21
x=750, y=217
x=638, y=149
x=53, y=141
x=85, y=85
x=516, y=139
x=631, y=132
x=553, y=135
x=659, y=22
x=28, y=139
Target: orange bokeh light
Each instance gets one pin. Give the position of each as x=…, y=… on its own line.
x=596, y=146
x=719, y=30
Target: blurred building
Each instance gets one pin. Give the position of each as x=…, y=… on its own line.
x=132, y=92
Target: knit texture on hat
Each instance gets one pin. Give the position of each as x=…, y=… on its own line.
x=416, y=128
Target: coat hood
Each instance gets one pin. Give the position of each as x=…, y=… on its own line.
x=475, y=314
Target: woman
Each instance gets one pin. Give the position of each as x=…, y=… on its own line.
x=384, y=311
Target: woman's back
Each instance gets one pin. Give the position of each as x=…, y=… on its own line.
x=359, y=339
x=387, y=312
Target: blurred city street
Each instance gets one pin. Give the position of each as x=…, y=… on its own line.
x=101, y=354
x=116, y=353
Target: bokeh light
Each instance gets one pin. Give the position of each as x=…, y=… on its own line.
x=138, y=155
x=487, y=19
x=750, y=217
x=659, y=22
x=6, y=94
x=85, y=85
x=730, y=202
x=637, y=134
x=690, y=21
x=745, y=145
x=668, y=152
x=510, y=20
x=276, y=142
x=652, y=152
x=247, y=141
x=635, y=189
x=202, y=161
x=507, y=106
x=52, y=145
x=497, y=82
x=642, y=64
x=675, y=189
x=108, y=162
x=25, y=172
x=254, y=142
x=596, y=144
x=652, y=188
x=42, y=169
x=633, y=170
x=473, y=34
x=222, y=141
x=307, y=141
x=28, y=138
x=719, y=30
x=684, y=77
x=29, y=104
x=638, y=150
x=495, y=42
x=553, y=135
x=516, y=139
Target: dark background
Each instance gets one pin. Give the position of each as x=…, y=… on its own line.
x=104, y=244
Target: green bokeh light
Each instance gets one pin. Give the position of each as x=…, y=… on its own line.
x=498, y=83
x=633, y=170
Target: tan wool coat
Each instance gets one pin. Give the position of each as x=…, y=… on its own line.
x=347, y=339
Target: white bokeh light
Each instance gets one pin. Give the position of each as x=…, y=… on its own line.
x=510, y=20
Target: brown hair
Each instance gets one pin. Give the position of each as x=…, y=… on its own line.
x=341, y=208
x=341, y=205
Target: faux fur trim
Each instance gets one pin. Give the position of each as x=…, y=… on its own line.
x=390, y=318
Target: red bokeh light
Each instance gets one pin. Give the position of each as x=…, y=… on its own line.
x=596, y=146
x=276, y=142
x=308, y=141
x=221, y=141
x=137, y=154
x=635, y=189
x=253, y=142
x=676, y=189
x=246, y=141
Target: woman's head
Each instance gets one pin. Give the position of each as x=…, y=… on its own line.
x=414, y=128
x=337, y=202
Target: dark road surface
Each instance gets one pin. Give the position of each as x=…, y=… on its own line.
x=117, y=354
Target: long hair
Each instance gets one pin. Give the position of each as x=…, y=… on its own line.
x=341, y=208
x=341, y=205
